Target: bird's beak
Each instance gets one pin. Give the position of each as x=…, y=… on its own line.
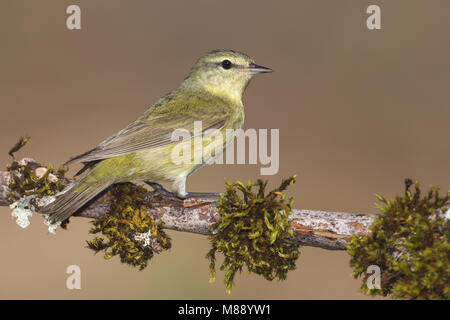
x=255, y=69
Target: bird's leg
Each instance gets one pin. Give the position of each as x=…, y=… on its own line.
x=179, y=188
x=160, y=189
x=156, y=186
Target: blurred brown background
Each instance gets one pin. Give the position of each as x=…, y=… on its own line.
x=358, y=111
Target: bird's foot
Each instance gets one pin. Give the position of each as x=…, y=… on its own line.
x=160, y=189
x=157, y=188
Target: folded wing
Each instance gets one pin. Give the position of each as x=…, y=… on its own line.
x=144, y=134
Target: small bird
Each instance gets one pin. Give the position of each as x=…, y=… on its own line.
x=142, y=152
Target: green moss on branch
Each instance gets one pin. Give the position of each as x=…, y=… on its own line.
x=253, y=231
x=410, y=243
x=126, y=219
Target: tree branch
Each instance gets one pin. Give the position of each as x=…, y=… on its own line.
x=327, y=230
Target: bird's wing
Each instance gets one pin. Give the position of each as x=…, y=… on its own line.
x=153, y=131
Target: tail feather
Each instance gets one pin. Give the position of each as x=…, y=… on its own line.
x=73, y=199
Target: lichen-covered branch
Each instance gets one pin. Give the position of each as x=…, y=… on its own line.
x=328, y=230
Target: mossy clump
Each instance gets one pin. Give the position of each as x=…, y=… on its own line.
x=126, y=219
x=410, y=243
x=25, y=182
x=254, y=231
x=24, y=178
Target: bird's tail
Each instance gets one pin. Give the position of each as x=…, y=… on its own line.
x=68, y=202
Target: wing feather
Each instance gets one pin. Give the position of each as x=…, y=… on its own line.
x=148, y=133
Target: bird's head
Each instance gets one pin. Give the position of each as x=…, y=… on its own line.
x=224, y=73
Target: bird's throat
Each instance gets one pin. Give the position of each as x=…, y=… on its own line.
x=228, y=92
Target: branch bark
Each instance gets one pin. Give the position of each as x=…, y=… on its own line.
x=327, y=230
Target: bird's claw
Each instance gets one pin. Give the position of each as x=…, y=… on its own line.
x=157, y=188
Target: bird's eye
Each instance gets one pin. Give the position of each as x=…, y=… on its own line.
x=226, y=64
